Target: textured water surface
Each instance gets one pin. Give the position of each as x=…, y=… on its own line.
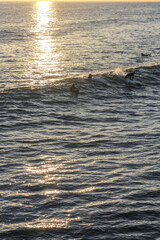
x=80, y=166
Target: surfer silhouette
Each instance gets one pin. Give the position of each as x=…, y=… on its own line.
x=146, y=55
x=90, y=76
x=74, y=90
x=130, y=75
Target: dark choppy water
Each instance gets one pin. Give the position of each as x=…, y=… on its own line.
x=83, y=167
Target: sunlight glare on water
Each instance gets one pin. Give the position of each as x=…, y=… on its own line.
x=43, y=15
x=79, y=166
x=46, y=57
x=47, y=173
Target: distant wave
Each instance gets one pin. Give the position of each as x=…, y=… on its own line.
x=144, y=75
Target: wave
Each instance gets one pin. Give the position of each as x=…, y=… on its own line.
x=144, y=75
x=147, y=75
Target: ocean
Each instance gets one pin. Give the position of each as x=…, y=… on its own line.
x=82, y=166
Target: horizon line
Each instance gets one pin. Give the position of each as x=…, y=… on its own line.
x=86, y=1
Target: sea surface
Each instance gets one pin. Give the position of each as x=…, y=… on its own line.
x=80, y=166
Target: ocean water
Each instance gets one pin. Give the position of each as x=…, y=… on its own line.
x=83, y=166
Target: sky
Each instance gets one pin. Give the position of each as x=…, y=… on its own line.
x=83, y=0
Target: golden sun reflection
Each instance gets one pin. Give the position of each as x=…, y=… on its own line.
x=49, y=173
x=52, y=224
x=43, y=12
x=46, y=172
x=45, y=67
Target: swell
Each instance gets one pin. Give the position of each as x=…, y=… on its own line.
x=148, y=75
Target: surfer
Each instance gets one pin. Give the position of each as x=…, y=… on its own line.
x=74, y=90
x=90, y=76
x=146, y=55
x=130, y=75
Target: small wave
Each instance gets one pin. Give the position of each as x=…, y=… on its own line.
x=144, y=75
x=119, y=72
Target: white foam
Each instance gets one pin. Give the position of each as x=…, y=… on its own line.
x=119, y=72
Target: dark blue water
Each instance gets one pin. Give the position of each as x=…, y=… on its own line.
x=80, y=166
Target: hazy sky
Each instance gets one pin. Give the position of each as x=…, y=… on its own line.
x=83, y=0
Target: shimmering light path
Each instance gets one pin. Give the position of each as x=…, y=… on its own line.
x=87, y=166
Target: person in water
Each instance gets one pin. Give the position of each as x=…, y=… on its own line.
x=130, y=75
x=90, y=76
x=146, y=55
x=74, y=90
